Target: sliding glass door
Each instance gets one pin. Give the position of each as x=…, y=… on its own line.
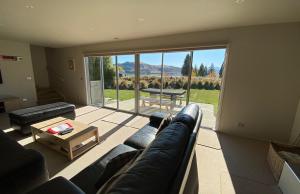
x=112, y=81
x=157, y=81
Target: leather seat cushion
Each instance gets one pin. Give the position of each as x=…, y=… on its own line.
x=188, y=115
x=88, y=177
x=142, y=138
x=38, y=113
x=154, y=170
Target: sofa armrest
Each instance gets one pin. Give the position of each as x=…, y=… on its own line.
x=17, y=161
x=156, y=118
x=26, y=168
x=58, y=185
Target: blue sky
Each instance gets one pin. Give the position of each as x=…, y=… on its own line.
x=207, y=57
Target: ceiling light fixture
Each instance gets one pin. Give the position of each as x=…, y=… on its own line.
x=29, y=6
x=239, y=1
x=141, y=19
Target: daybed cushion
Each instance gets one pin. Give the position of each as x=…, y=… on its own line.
x=37, y=113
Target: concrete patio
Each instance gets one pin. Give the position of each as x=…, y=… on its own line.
x=208, y=120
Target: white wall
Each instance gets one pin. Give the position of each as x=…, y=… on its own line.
x=39, y=63
x=262, y=82
x=70, y=84
x=15, y=74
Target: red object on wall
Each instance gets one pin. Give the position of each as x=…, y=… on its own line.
x=10, y=58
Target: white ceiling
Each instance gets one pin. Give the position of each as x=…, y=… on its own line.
x=60, y=23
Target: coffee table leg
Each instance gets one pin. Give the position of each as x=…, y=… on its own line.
x=70, y=152
x=33, y=135
x=97, y=136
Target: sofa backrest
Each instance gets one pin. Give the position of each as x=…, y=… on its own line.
x=161, y=167
x=188, y=115
x=154, y=170
x=183, y=171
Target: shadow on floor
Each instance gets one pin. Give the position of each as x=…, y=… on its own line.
x=248, y=170
x=115, y=129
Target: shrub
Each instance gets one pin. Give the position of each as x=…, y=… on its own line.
x=143, y=84
x=154, y=84
x=200, y=85
x=211, y=86
x=185, y=85
x=206, y=85
x=130, y=85
x=217, y=86
x=123, y=85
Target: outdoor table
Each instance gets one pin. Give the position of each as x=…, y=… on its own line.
x=173, y=93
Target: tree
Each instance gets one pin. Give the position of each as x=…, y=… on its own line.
x=212, y=71
x=186, y=65
x=195, y=71
x=94, y=68
x=205, y=71
x=109, y=72
x=221, y=71
x=201, y=71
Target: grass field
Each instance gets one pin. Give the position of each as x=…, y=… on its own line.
x=200, y=96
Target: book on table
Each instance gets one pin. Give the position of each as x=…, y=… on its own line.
x=61, y=129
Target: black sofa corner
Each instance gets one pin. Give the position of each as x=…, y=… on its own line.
x=163, y=167
x=20, y=169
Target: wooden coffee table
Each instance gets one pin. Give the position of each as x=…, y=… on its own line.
x=73, y=144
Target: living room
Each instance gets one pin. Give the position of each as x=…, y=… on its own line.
x=42, y=63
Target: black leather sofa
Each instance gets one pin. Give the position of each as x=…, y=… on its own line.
x=21, y=169
x=164, y=165
x=23, y=118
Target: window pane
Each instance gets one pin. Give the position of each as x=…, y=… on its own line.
x=109, y=73
x=126, y=69
x=150, y=82
x=175, y=78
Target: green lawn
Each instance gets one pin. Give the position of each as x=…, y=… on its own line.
x=196, y=95
x=205, y=96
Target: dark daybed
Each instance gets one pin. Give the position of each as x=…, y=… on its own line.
x=22, y=119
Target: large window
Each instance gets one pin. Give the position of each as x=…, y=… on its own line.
x=166, y=81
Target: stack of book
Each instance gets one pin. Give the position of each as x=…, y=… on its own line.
x=61, y=129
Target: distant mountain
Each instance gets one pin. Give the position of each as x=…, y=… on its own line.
x=147, y=69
